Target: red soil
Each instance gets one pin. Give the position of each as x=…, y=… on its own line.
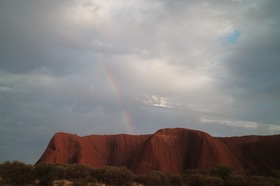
x=168, y=150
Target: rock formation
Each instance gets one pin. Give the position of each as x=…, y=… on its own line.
x=168, y=150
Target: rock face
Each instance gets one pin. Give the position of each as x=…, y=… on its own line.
x=168, y=150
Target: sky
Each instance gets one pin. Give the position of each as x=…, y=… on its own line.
x=136, y=66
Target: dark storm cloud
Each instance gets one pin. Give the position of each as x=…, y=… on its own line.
x=80, y=66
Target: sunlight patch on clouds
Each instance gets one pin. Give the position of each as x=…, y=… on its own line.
x=155, y=100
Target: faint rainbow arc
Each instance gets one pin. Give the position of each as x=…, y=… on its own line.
x=117, y=92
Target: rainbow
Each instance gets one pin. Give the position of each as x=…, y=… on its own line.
x=115, y=88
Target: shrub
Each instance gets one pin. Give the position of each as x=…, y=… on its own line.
x=16, y=173
x=195, y=171
x=175, y=180
x=77, y=172
x=234, y=180
x=276, y=173
x=45, y=173
x=221, y=171
x=97, y=174
x=198, y=177
x=213, y=181
x=153, y=178
x=60, y=172
x=263, y=181
x=202, y=180
x=116, y=176
x=193, y=179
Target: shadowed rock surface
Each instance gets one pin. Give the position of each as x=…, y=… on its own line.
x=167, y=150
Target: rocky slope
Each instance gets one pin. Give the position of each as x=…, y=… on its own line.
x=168, y=150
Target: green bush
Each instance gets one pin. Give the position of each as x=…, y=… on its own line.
x=46, y=173
x=227, y=174
x=213, y=181
x=198, y=179
x=235, y=180
x=77, y=172
x=222, y=171
x=276, y=173
x=60, y=172
x=193, y=179
x=176, y=180
x=16, y=173
x=263, y=181
x=153, y=178
x=19, y=174
x=116, y=176
x=195, y=171
x=97, y=174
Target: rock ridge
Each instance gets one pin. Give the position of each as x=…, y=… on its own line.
x=169, y=150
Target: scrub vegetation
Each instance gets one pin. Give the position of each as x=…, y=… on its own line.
x=20, y=174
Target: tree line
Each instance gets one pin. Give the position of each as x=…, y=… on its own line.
x=17, y=173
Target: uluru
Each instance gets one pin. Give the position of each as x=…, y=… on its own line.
x=171, y=150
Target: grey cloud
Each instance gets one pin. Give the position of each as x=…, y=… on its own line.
x=78, y=66
x=251, y=67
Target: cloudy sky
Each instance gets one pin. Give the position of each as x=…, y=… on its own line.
x=135, y=66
